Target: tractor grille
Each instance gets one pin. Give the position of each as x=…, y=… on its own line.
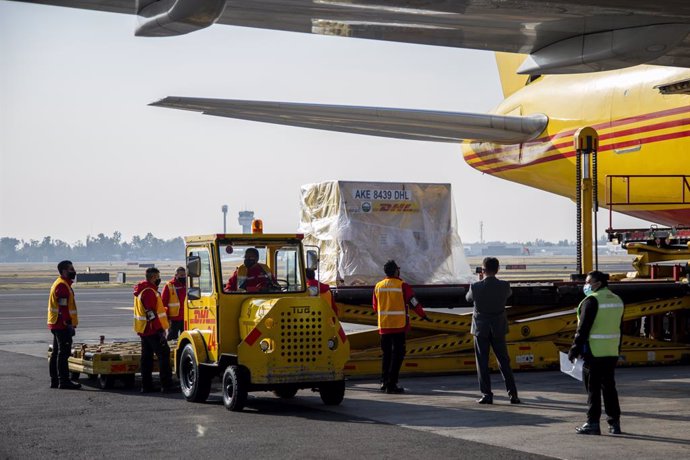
x=301, y=335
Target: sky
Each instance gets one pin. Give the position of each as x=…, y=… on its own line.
x=81, y=152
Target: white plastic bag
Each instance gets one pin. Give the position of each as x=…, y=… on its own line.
x=574, y=370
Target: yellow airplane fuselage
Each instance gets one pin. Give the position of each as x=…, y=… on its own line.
x=641, y=132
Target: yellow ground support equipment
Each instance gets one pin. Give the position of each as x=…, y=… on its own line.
x=445, y=345
x=256, y=325
x=108, y=362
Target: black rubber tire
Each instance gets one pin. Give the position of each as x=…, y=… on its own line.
x=105, y=382
x=128, y=381
x=285, y=392
x=332, y=393
x=235, y=388
x=74, y=376
x=195, y=381
x=91, y=376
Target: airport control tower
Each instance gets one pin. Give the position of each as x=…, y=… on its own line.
x=245, y=219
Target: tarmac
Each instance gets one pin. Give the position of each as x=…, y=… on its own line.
x=437, y=416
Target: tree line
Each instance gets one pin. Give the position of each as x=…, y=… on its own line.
x=98, y=248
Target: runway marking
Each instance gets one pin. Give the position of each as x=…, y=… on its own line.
x=43, y=317
x=44, y=294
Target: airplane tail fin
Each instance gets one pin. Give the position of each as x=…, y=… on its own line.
x=508, y=64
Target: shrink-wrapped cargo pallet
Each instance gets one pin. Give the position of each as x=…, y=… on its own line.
x=358, y=226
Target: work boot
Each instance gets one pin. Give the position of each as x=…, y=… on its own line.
x=615, y=428
x=149, y=389
x=69, y=385
x=588, y=428
x=54, y=383
x=486, y=399
x=383, y=387
x=394, y=389
x=514, y=399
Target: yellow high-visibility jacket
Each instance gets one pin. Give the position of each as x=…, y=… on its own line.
x=54, y=308
x=140, y=320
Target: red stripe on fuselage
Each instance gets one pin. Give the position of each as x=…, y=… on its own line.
x=571, y=153
x=569, y=133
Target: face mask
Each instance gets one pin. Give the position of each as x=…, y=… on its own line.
x=182, y=280
x=157, y=282
x=249, y=262
x=587, y=289
x=72, y=275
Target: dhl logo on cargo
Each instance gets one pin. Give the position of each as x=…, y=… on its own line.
x=395, y=207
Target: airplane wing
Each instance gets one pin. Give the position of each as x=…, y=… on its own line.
x=422, y=125
x=562, y=36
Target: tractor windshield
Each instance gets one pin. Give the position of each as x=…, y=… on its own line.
x=261, y=267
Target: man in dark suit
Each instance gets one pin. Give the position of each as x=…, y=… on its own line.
x=489, y=328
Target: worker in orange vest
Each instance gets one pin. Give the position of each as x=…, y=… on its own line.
x=392, y=297
x=174, y=296
x=150, y=323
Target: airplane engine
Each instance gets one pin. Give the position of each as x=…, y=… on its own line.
x=165, y=18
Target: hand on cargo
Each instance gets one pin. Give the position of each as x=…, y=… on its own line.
x=573, y=354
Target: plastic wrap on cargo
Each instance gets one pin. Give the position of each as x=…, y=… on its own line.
x=358, y=226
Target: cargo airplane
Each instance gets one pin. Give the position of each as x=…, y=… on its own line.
x=621, y=67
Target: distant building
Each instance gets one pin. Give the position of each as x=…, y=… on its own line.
x=501, y=250
x=245, y=219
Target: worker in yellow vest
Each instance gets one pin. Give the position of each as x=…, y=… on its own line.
x=597, y=342
x=150, y=323
x=174, y=296
x=391, y=300
x=62, y=322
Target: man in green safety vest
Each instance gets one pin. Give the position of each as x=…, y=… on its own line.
x=597, y=342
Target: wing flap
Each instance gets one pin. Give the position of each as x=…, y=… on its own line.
x=423, y=125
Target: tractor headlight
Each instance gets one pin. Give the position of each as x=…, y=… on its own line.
x=265, y=345
x=332, y=343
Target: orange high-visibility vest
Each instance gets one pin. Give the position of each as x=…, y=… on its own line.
x=174, y=301
x=392, y=313
x=54, y=308
x=140, y=313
